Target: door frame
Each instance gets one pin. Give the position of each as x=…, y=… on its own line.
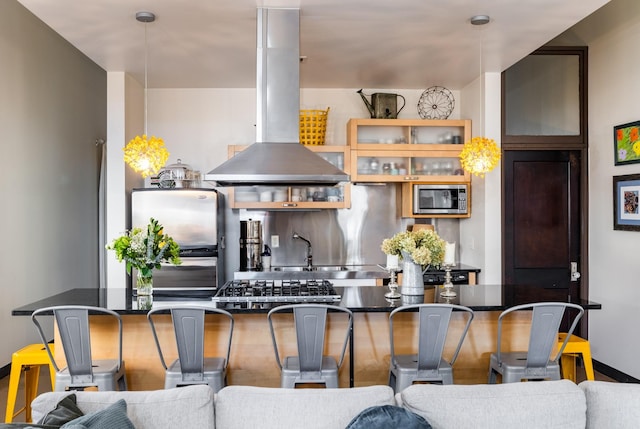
x=573, y=143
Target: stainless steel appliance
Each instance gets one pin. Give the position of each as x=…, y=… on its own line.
x=440, y=198
x=195, y=219
x=250, y=245
x=247, y=293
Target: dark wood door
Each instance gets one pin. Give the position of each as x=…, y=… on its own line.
x=542, y=227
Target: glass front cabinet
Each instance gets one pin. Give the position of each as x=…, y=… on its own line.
x=296, y=197
x=407, y=150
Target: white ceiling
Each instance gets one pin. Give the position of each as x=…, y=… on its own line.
x=379, y=44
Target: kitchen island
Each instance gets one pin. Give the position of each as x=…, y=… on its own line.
x=252, y=360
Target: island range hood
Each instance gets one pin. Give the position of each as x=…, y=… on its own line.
x=277, y=158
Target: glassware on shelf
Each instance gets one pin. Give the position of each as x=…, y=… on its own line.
x=374, y=165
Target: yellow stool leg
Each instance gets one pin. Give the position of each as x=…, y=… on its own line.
x=12, y=393
x=576, y=345
x=568, y=363
x=32, y=375
x=588, y=362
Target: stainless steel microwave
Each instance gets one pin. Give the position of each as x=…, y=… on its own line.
x=440, y=199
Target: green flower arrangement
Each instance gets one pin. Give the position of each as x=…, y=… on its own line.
x=145, y=249
x=424, y=246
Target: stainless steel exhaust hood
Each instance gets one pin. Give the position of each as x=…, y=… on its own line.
x=277, y=158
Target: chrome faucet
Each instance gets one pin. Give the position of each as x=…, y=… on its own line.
x=309, y=258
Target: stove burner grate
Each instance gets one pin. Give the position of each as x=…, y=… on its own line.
x=236, y=291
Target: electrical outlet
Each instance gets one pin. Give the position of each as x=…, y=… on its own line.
x=275, y=241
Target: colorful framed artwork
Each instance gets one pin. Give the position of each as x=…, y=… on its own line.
x=626, y=208
x=626, y=143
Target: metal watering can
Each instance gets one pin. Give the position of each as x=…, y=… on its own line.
x=383, y=105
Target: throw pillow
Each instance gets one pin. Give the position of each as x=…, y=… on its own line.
x=65, y=411
x=114, y=416
x=388, y=416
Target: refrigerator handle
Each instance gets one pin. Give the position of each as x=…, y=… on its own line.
x=222, y=242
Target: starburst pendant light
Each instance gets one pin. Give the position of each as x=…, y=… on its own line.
x=146, y=155
x=480, y=155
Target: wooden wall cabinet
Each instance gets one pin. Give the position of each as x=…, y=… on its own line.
x=407, y=205
x=407, y=150
x=296, y=197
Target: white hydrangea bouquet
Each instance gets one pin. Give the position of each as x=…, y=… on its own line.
x=424, y=247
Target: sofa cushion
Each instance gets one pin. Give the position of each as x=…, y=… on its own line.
x=538, y=404
x=114, y=416
x=241, y=407
x=189, y=406
x=612, y=405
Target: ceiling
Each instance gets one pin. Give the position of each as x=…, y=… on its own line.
x=378, y=44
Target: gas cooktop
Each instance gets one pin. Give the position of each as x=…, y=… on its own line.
x=279, y=291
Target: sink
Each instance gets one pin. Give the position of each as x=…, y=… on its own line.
x=315, y=268
x=328, y=272
x=287, y=269
x=330, y=268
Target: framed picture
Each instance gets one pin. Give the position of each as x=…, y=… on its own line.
x=626, y=209
x=626, y=143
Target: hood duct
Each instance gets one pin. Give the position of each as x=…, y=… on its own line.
x=277, y=158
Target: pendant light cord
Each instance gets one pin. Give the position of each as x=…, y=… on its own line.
x=146, y=60
x=481, y=91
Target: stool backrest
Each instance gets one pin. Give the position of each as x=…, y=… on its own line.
x=310, y=322
x=189, y=327
x=433, y=325
x=73, y=325
x=545, y=323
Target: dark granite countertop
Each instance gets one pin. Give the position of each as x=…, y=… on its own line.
x=356, y=298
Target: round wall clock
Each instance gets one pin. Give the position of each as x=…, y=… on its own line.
x=436, y=102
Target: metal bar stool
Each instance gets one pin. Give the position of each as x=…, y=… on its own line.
x=27, y=359
x=576, y=345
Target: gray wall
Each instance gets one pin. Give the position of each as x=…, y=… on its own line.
x=52, y=109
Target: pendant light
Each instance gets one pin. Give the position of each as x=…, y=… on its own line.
x=146, y=155
x=480, y=155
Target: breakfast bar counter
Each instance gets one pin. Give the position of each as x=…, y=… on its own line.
x=252, y=360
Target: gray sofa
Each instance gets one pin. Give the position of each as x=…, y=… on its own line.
x=548, y=404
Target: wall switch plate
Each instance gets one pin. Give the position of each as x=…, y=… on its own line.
x=275, y=241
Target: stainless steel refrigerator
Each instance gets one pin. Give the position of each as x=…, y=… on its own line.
x=194, y=218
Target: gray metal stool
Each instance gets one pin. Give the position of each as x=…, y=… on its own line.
x=310, y=365
x=192, y=366
x=82, y=371
x=428, y=364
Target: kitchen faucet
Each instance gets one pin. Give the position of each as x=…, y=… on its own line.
x=309, y=258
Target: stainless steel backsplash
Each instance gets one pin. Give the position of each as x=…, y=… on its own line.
x=338, y=237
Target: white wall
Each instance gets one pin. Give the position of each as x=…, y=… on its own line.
x=52, y=110
x=613, y=36
x=480, y=235
x=198, y=124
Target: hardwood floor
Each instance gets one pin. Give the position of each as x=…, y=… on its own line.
x=44, y=386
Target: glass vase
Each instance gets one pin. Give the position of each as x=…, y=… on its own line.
x=144, y=284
